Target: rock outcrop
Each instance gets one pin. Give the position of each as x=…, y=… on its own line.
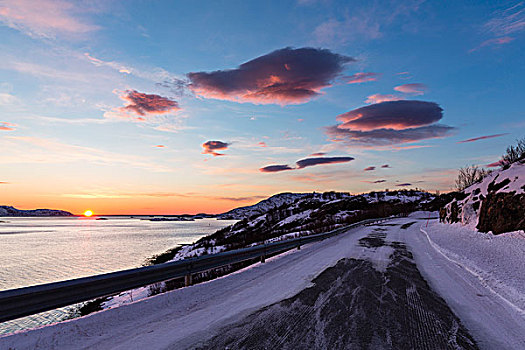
x=496, y=204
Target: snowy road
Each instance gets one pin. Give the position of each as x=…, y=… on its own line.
x=374, y=287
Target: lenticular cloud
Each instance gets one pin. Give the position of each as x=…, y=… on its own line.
x=285, y=76
x=388, y=123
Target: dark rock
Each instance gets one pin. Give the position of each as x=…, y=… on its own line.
x=502, y=212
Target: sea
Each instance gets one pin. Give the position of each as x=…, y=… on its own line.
x=50, y=249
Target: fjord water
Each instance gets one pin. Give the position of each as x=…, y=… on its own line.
x=42, y=250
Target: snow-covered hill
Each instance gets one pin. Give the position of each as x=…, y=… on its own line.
x=289, y=215
x=496, y=204
x=12, y=211
x=262, y=207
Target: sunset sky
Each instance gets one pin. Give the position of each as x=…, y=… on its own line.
x=184, y=107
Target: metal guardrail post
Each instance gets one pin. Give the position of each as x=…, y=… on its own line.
x=188, y=280
x=263, y=255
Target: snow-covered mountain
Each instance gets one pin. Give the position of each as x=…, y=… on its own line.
x=12, y=211
x=289, y=215
x=262, y=207
x=496, y=204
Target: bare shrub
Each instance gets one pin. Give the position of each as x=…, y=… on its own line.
x=470, y=175
x=514, y=153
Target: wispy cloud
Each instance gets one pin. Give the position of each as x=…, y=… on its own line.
x=370, y=168
x=494, y=164
x=45, y=18
x=405, y=184
x=413, y=89
x=340, y=32
x=378, y=98
x=7, y=99
x=7, y=126
x=285, y=76
x=51, y=151
x=211, y=147
x=374, y=182
x=482, y=138
x=508, y=21
x=504, y=22
x=493, y=42
x=361, y=78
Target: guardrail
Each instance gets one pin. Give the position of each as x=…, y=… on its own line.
x=26, y=301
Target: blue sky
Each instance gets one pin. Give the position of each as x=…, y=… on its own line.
x=98, y=109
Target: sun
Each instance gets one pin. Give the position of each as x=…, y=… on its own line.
x=88, y=213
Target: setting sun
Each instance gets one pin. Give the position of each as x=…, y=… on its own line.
x=88, y=213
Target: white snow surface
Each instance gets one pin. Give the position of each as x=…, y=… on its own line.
x=456, y=262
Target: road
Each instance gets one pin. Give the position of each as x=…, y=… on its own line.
x=376, y=287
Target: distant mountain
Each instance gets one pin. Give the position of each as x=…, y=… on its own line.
x=496, y=203
x=262, y=207
x=12, y=211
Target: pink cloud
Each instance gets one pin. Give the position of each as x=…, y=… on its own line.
x=495, y=164
x=144, y=104
x=508, y=21
x=378, y=98
x=413, y=89
x=374, y=182
x=404, y=75
x=286, y=76
x=44, y=18
x=390, y=123
x=370, y=168
x=482, y=138
x=211, y=147
x=262, y=144
x=159, y=146
x=317, y=154
x=361, y=78
x=304, y=163
x=396, y=115
x=275, y=168
x=493, y=42
x=7, y=126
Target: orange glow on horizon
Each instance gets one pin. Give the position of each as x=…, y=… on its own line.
x=88, y=213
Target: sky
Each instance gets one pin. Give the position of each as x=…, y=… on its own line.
x=162, y=107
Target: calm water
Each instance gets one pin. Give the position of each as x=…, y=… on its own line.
x=41, y=250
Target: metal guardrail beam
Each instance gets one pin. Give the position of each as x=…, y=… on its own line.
x=26, y=301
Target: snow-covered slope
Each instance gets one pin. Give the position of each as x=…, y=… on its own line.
x=11, y=211
x=484, y=202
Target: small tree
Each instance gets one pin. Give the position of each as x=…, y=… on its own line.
x=514, y=153
x=470, y=175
